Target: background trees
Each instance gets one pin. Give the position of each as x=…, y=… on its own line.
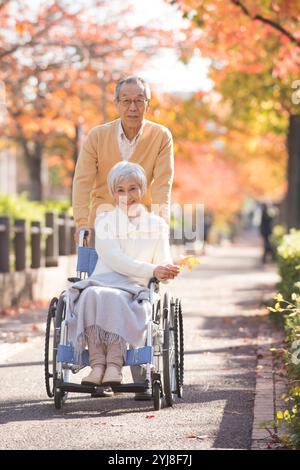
x=60, y=62
x=58, y=68
x=255, y=46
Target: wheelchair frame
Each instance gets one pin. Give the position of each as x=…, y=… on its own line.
x=163, y=355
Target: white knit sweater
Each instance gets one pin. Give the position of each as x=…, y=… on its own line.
x=133, y=250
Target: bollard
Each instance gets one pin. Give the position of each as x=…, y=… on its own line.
x=63, y=235
x=20, y=245
x=35, y=245
x=4, y=244
x=51, y=250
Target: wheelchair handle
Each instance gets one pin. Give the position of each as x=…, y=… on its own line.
x=82, y=237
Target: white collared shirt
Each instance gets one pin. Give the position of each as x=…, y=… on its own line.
x=126, y=146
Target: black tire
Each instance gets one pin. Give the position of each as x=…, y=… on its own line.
x=59, y=396
x=179, y=348
x=60, y=315
x=157, y=314
x=156, y=395
x=166, y=306
x=168, y=353
x=49, y=348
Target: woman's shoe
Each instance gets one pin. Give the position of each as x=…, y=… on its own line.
x=113, y=375
x=114, y=360
x=95, y=376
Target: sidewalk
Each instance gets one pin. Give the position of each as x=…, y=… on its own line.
x=228, y=371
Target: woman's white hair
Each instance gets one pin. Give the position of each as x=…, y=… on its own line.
x=125, y=170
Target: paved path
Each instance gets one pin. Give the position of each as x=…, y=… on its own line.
x=222, y=313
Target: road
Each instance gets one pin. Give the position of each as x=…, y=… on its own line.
x=222, y=311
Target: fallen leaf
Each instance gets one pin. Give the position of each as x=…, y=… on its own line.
x=24, y=339
x=35, y=327
x=194, y=436
x=9, y=312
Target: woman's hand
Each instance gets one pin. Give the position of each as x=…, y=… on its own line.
x=166, y=271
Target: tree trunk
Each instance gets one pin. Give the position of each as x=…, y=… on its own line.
x=34, y=161
x=293, y=194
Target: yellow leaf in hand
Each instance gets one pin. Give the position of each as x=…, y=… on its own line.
x=188, y=261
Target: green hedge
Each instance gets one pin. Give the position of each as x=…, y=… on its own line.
x=19, y=207
x=286, y=311
x=288, y=259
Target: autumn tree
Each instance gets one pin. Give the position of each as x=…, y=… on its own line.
x=58, y=68
x=255, y=51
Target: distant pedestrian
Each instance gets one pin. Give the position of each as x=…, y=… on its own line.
x=266, y=226
x=208, y=221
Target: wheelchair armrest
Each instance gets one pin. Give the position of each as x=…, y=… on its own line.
x=74, y=279
x=153, y=280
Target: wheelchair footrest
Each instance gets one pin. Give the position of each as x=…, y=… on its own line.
x=96, y=389
x=134, y=388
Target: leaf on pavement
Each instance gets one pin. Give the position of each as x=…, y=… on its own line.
x=9, y=312
x=24, y=339
x=195, y=436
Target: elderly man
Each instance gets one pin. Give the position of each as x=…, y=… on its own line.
x=133, y=138
x=130, y=137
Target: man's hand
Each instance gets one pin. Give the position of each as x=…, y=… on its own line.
x=87, y=238
x=166, y=271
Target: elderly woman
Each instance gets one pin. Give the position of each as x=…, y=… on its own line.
x=113, y=308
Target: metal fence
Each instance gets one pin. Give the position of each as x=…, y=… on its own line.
x=23, y=246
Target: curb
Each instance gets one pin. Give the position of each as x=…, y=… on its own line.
x=269, y=388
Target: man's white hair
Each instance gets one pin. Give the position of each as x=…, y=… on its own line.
x=136, y=80
x=125, y=170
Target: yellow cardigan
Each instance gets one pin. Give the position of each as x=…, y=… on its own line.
x=100, y=152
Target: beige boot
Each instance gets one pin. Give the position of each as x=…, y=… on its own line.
x=97, y=355
x=114, y=359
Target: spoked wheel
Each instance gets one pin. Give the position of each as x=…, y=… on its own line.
x=50, y=367
x=59, y=378
x=169, y=368
x=179, y=348
x=156, y=395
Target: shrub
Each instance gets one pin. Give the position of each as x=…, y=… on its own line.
x=288, y=258
x=19, y=207
x=278, y=233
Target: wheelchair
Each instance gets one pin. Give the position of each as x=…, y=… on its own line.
x=162, y=356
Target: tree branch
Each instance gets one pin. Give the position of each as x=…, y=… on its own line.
x=272, y=23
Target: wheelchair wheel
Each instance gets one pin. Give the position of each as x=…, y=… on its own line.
x=50, y=349
x=179, y=348
x=156, y=395
x=59, y=396
x=169, y=368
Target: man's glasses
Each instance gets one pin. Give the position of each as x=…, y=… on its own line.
x=139, y=102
